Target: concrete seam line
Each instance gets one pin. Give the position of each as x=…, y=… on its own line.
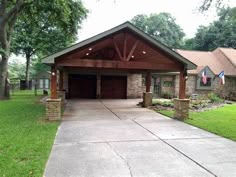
x=177, y=149
x=109, y=109
x=130, y=171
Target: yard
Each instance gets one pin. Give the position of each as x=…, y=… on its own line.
x=221, y=121
x=25, y=137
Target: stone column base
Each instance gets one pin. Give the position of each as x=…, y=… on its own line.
x=62, y=96
x=53, y=109
x=181, y=108
x=147, y=99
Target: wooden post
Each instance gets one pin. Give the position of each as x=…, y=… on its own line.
x=61, y=80
x=148, y=82
x=182, y=85
x=53, y=82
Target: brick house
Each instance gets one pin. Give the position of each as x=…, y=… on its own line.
x=221, y=59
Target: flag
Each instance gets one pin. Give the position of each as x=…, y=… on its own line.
x=204, y=77
x=222, y=77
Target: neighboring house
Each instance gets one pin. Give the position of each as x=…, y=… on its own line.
x=42, y=80
x=221, y=59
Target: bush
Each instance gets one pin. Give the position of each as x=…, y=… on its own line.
x=214, y=98
x=167, y=95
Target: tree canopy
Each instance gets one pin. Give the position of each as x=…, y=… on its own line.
x=162, y=27
x=220, y=33
x=61, y=13
x=39, y=30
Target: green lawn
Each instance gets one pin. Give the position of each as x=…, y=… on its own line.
x=221, y=121
x=25, y=137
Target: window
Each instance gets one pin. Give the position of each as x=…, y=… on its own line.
x=41, y=83
x=167, y=83
x=46, y=81
x=208, y=84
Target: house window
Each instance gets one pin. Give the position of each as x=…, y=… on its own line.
x=41, y=83
x=167, y=83
x=208, y=84
x=46, y=81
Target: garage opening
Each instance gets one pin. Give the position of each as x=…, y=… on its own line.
x=114, y=87
x=82, y=86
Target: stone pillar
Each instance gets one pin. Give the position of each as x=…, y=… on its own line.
x=53, y=109
x=181, y=108
x=147, y=99
x=62, y=96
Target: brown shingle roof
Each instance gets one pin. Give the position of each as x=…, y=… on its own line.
x=221, y=59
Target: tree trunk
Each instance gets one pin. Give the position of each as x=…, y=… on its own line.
x=4, y=85
x=27, y=71
x=4, y=44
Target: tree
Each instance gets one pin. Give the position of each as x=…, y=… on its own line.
x=48, y=34
x=16, y=69
x=11, y=10
x=220, y=33
x=161, y=27
x=206, y=4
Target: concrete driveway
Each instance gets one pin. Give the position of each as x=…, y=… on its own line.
x=116, y=138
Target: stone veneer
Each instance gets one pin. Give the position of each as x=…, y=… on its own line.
x=53, y=109
x=135, y=88
x=181, y=108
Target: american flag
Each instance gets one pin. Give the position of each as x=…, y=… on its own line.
x=222, y=77
x=204, y=77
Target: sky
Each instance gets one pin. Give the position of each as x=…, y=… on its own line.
x=106, y=14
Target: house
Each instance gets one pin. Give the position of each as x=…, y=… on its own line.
x=42, y=80
x=111, y=65
x=221, y=59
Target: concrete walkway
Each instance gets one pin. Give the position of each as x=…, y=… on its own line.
x=115, y=138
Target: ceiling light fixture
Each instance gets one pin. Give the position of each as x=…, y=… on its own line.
x=90, y=48
x=87, y=54
x=132, y=56
x=144, y=52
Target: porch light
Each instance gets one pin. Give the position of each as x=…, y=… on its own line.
x=90, y=48
x=87, y=54
x=53, y=73
x=144, y=52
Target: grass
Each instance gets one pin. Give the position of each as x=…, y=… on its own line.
x=25, y=137
x=221, y=121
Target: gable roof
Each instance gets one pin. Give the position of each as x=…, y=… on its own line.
x=221, y=59
x=127, y=25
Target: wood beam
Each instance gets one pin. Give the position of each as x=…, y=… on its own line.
x=112, y=64
x=148, y=81
x=124, y=47
x=117, y=49
x=182, y=85
x=53, y=82
x=132, y=50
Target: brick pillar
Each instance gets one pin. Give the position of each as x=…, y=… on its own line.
x=62, y=96
x=181, y=108
x=147, y=96
x=53, y=109
x=147, y=99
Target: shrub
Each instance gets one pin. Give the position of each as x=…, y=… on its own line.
x=214, y=98
x=167, y=95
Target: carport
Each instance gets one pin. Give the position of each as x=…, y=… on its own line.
x=100, y=66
